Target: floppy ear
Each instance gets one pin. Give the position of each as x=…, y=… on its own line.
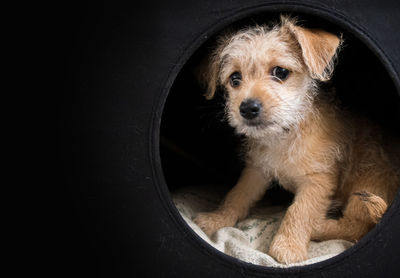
x=208, y=71
x=318, y=48
x=208, y=75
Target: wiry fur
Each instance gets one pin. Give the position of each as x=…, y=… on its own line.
x=317, y=151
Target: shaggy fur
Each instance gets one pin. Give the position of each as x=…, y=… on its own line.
x=301, y=138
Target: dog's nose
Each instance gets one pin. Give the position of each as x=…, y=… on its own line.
x=250, y=108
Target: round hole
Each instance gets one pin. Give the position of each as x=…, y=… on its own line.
x=200, y=150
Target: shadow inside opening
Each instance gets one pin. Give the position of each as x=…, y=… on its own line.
x=198, y=148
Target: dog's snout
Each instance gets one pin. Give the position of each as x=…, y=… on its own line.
x=250, y=108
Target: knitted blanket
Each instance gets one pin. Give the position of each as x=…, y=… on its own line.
x=249, y=239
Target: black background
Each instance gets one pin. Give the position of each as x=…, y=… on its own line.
x=117, y=62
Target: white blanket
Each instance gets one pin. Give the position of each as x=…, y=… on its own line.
x=249, y=239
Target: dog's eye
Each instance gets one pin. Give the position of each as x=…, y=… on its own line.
x=280, y=73
x=235, y=79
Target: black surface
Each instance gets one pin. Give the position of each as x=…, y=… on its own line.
x=120, y=60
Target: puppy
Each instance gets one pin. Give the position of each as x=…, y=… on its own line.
x=297, y=135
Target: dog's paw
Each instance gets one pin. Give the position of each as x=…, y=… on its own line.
x=287, y=251
x=211, y=222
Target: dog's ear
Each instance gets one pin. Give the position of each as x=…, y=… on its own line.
x=209, y=69
x=207, y=73
x=318, y=48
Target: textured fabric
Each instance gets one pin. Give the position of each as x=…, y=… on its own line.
x=249, y=239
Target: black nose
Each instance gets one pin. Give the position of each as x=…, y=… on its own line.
x=250, y=108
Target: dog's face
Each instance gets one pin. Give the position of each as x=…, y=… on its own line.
x=267, y=86
x=269, y=75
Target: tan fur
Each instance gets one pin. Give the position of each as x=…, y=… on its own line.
x=304, y=140
x=318, y=47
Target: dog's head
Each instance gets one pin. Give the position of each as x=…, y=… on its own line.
x=269, y=74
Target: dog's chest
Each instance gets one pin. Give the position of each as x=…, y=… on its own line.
x=278, y=162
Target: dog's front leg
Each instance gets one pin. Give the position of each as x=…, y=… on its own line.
x=310, y=204
x=249, y=189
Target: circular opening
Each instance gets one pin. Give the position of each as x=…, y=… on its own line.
x=200, y=152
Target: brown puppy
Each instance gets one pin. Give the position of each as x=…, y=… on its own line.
x=298, y=136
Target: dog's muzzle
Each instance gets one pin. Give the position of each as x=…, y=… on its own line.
x=250, y=109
